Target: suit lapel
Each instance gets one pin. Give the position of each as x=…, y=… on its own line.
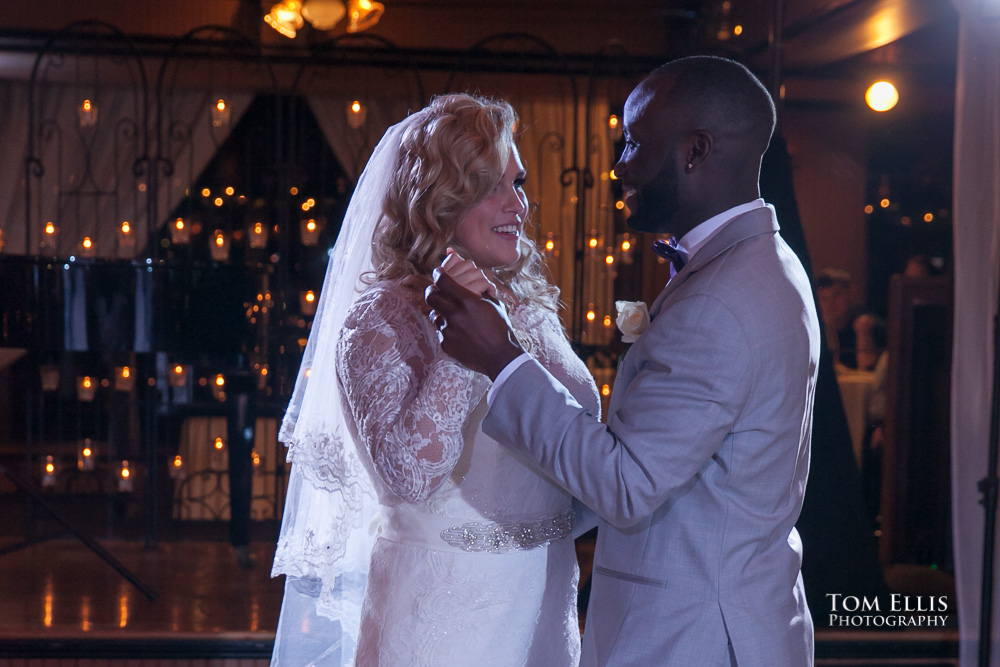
x=752, y=223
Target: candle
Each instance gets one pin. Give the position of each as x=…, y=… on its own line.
x=219, y=246
x=85, y=455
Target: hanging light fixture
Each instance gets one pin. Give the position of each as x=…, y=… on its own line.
x=285, y=17
x=323, y=14
x=290, y=16
x=363, y=14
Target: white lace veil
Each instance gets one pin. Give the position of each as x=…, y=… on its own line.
x=326, y=541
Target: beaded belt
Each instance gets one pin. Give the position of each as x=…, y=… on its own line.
x=440, y=533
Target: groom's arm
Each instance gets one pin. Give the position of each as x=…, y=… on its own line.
x=673, y=418
x=674, y=415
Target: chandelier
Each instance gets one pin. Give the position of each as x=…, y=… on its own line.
x=289, y=16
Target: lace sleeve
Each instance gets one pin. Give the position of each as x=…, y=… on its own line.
x=408, y=401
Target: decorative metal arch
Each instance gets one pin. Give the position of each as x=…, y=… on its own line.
x=128, y=129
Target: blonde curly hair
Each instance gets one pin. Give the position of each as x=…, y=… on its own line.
x=448, y=162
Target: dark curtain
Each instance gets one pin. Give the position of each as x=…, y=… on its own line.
x=840, y=550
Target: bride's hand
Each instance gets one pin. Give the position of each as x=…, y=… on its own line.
x=467, y=274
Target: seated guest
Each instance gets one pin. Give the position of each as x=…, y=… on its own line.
x=853, y=336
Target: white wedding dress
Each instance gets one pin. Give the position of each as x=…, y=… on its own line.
x=474, y=562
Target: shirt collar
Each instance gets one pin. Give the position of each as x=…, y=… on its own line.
x=695, y=240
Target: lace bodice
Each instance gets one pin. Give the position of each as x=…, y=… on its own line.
x=416, y=411
x=408, y=400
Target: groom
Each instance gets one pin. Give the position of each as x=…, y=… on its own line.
x=699, y=474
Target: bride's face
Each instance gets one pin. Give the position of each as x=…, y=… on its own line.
x=490, y=231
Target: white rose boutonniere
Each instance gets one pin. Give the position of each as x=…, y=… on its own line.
x=633, y=318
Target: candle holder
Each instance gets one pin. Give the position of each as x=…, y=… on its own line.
x=178, y=375
x=88, y=248
x=87, y=113
x=550, y=246
x=49, y=471
x=85, y=455
x=219, y=387
x=124, y=379
x=593, y=244
x=217, y=457
x=310, y=228
x=626, y=247
x=610, y=264
x=125, y=477
x=220, y=113
x=356, y=115
x=590, y=324
x=177, y=471
x=180, y=231
x=86, y=388
x=258, y=235
x=126, y=237
x=219, y=246
x=50, y=237
x=307, y=302
x=614, y=128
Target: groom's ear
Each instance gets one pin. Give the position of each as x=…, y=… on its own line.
x=700, y=147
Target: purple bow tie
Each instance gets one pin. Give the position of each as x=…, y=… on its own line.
x=668, y=251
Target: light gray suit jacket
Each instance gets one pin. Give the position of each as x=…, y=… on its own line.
x=699, y=474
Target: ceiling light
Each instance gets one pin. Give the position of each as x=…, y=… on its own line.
x=882, y=96
x=289, y=16
x=323, y=14
x=363, y=14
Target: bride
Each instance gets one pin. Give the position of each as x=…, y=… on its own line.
x=409, y=536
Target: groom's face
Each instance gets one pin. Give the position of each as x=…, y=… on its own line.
x=648, y=166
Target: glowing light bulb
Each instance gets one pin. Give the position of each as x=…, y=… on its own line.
x=882, y=96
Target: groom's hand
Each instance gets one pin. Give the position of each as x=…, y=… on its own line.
x=472, y=328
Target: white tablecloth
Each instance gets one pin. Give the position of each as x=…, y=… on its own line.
x=856, y=388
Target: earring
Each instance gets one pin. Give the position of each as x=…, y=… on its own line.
x=690, y=166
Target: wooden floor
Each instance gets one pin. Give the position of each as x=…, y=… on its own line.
x=63, y=606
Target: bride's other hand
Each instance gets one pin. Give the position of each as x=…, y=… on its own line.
x=467, y=274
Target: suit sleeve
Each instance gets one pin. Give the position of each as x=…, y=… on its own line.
x=692, y=380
